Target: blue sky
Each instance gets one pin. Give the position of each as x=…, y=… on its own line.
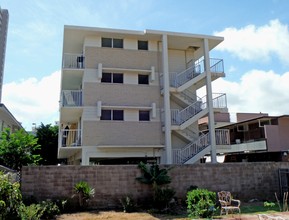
x=255, y=50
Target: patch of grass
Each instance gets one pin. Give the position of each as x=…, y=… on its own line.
x=258, y=208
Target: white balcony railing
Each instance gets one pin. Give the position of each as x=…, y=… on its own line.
x=70, y=137
x=73, y=61
x=71, y=98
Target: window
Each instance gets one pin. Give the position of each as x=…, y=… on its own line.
x=110, y=42
x=106, y=42
x=117, y=43
x=117, y=78
x=115, y=115
x=112, y=77
x=142, y=45
x=106, y=77
x=144, y=115
x=105, y=115
x=143, y=79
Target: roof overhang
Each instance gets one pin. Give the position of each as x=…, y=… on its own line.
x=74, y=37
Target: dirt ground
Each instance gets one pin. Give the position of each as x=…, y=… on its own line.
x=112, y=215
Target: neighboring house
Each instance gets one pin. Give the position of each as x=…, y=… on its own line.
x=130, y=96
x=257, y=137
x=7, y=120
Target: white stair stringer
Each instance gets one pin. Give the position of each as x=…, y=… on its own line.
x=190, y=120
x=193, y=81
x=193, y=119
x=187, y=134
x=193, y=151
x=180, y=100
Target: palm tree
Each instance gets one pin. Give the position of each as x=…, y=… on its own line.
x=153, y=175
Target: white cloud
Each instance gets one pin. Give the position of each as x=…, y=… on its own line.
x=257, y=91
x=257, y=43
x=32, y=100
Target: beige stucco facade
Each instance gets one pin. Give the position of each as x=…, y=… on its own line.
x=134, y=99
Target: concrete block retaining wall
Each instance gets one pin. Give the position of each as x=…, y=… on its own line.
x=245, y=180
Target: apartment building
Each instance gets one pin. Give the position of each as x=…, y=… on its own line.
x=130, y=96
x=4, y=17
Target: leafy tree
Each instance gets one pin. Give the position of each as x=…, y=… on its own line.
x=47, y=136
x=18, y=149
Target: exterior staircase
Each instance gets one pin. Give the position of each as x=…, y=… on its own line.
x=185, y=79
x=192, y=108
x=193, y=151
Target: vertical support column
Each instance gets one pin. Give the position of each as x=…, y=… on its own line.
x=167, y=106
x=212, y=134
x=84, y=156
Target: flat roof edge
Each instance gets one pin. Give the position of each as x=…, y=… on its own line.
x=99, y=29
x=183, y=34
x=144, y=32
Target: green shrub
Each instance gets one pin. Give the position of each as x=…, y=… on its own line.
x=84, y=192
x=10, y=198
x=31, y=212
x=127, y=204
x=163, y=196
x=49, y=209
x=200, y=203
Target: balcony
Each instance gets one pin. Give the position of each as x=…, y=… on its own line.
x=70, y=137
x=73, y=61
x=71, y=98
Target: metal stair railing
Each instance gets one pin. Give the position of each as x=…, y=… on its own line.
x=219, y=100
x=180, y=116
x=182, y=155
x=179, y=79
